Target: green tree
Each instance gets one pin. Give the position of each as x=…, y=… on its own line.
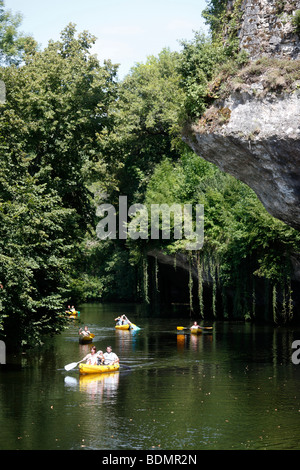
x=35, y=255
x=243, y=243
x=51, y=131
x=199, y=62
x=224, y=21
x=13, y=44
x=146, y=121
x=61, y=96
x=145, y=131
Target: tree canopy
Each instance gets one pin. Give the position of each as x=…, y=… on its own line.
x=51, y=124
x=72, y=137
x=13, y=44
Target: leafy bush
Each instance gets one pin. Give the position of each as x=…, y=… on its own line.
x=199, y=62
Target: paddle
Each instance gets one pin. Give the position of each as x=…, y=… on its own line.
x=134, y=327
x=72, y=365
x=200, y=327
x=125, y=367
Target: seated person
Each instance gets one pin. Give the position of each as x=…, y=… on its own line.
x=110, y=357
x=124, y=320
x=195, y=326
x=92, y=357
x=100, y=358
x=84, y=332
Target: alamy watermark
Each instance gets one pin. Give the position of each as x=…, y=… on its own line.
x=2, y=92
x=160, y=221
x=2, y=352
x=296, y=354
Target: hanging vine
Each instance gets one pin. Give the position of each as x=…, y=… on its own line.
x=190, y=284
x=253, y=298
x=213, y=271
x=274, y=303
x=286, y=310
x=290, y=305
x=156, y=275
x=146, y=279
x=200, y=285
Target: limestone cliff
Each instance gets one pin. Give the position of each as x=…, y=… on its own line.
x=255, y=136
x=267, y=28
x=254, y=132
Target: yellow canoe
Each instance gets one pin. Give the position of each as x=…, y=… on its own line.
x=86, y=339
x=89, y=369
x=201, y=329
x=122, y=327
x=73, y=314
x=196, y=331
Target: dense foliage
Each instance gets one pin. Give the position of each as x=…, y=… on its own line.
x=146, y=121
x=51, y=127
x=243, y=242
x=224, y=21
x=72, y=137
x=13, y=44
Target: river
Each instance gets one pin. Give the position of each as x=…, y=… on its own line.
x=235, y=389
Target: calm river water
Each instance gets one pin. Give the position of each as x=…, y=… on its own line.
x=234, y=389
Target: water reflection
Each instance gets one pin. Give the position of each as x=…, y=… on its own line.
x=126, y=340
x=100, y=385
x=70, y=381
x=192, y=342
x=181, y=341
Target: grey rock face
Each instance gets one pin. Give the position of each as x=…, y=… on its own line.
x=260, y=145
x=255, y=135
x=267, y=28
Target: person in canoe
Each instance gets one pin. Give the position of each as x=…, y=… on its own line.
x=195, y=326
x=122, y=320
x=84, y=332
x=92, y=357
x=100, y=358
x=110, y=357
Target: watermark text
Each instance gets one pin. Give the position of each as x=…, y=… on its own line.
x=159, y=221
x=2, y=352
x=296, y=354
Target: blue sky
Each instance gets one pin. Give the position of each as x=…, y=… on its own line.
x=127, y=31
